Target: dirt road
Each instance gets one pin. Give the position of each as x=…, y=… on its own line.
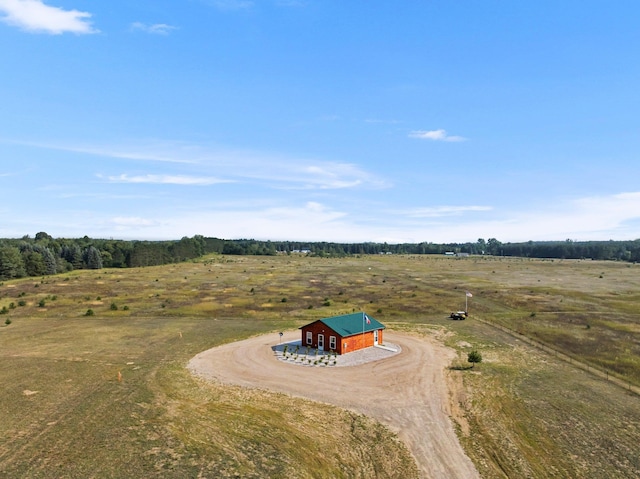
x=407, y=392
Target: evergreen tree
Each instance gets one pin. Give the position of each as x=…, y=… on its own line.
x=50, y=261
x=33, y=263
x=11, y=263
x=92, y=258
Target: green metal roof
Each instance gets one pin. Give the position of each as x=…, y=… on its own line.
x=352, y=324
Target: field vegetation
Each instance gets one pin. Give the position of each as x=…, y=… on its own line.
x=107, y=394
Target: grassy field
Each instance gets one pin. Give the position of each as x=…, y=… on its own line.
x=107, y=395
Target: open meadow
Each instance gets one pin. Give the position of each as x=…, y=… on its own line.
x=93, y=367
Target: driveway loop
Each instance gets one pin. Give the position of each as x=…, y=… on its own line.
x=408, y=391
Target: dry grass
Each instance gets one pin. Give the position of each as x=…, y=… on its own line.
x=526, y=413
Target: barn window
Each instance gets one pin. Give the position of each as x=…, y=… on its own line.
x=332, y=342
x=309, y=337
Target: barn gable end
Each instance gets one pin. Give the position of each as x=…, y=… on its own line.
x=343, y=334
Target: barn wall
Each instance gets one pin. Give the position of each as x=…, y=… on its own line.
x=320, y=328
x=359, y=341
x=343, y=345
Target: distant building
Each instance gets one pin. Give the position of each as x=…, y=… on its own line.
x=343, y=334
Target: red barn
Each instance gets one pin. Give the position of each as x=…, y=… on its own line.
x=343, y=334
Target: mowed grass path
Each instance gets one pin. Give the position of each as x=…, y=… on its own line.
x=107, y=395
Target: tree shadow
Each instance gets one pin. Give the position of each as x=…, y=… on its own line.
x=460, y=368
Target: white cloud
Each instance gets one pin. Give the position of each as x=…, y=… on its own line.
x=167, y=180
x=591, y=218
x=273, y=171
x=441, y=211
x=155, y=29
x=35, y=16
x=435, y=135
x=309, y=221
x=615, y=217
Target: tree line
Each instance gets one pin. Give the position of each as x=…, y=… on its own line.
x=45, y=255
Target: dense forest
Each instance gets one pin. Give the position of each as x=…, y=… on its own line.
x=45, y=255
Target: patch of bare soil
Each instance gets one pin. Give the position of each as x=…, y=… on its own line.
x=408, y=391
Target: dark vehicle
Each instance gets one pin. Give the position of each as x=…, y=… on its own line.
x=458, y=315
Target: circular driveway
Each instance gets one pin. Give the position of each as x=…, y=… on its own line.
x=405, y=391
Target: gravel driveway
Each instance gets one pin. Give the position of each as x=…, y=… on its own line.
x=406, y=389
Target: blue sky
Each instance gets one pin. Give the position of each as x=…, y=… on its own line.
x=320, y=120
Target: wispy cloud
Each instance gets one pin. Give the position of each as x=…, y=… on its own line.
x=310, y=220
x=273, y=171
x=141, y=151
x=442, y=211
x=155, y=29
x=331, y=176
x=34, y=16
x=167, y=180
x=581, y=219
x=435, y=135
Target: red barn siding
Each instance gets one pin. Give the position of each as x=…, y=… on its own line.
x=319, y=328
x=343, y=345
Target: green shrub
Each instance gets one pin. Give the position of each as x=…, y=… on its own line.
x=89, y=312
x=474, y=357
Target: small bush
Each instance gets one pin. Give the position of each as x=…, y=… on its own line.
x=474, y=357
x=89, y=312
x=125, y=308
x=7, y=321
x=113, y=307
x=22, y=302
x=42, y=303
